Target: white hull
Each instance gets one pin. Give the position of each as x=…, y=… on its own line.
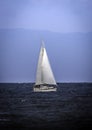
x=44, y=89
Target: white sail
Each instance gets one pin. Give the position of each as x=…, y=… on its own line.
x=39, y=71
x=44, y=71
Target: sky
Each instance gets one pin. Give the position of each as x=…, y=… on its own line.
x=52, y=15
x=64, y=25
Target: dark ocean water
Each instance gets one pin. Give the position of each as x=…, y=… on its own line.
x=70, y=108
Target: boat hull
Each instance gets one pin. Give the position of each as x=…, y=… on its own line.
x=44, y=89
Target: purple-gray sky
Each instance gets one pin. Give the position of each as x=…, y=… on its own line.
x=53, y=15
x=64, y=25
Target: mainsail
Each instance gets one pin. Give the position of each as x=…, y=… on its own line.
x=44, y=72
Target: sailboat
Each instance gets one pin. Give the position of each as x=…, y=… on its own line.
x=45, y=81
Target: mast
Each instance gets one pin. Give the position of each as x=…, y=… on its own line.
x=43, y=45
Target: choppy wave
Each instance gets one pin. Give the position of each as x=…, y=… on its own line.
x=68, y=108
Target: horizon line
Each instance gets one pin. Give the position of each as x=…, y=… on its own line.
x=46, y=30
x=34, y=82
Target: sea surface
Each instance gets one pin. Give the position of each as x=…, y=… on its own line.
x=70, y=108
